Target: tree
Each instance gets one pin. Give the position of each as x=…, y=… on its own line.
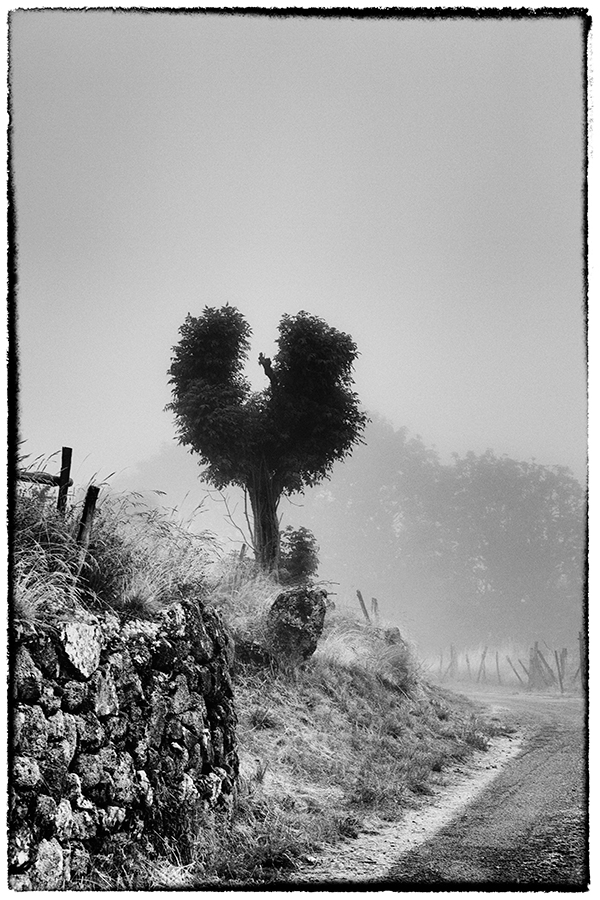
x=272, y=442
x=505, y=537
x=299, y=555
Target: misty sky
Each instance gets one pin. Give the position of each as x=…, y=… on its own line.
x=416, y=183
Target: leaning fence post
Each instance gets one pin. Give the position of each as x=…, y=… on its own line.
x=526, y=670
x=363, y=607
x=63, y=479
x=545, y=667
x=560, y=680
x=85, y=525
x=515, y=671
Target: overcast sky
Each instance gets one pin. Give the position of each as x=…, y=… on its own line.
x=415, y=182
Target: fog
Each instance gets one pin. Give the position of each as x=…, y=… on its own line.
x=388, y=523
x=417, y=183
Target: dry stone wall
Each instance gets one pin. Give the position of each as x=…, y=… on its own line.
x=121, y=732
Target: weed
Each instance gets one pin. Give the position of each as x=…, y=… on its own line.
x=474, y=733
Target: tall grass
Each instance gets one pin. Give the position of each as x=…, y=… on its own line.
x=138, y=559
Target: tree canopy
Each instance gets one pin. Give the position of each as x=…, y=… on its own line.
x=270, y=442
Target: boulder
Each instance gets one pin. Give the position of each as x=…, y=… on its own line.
x=295, y=624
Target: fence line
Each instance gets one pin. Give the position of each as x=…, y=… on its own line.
x=63, y=482
x=540, y=672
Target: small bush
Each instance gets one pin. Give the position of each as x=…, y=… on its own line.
x=299, y=559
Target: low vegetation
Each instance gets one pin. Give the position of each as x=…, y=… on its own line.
x=358, y=734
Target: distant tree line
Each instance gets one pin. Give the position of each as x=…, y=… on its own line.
x=497, y=542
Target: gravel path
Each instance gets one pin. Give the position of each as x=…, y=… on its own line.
x=514, y=816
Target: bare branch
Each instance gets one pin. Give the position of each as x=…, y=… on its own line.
x=265, y=362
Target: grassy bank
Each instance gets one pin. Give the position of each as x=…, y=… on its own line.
x=355, y=735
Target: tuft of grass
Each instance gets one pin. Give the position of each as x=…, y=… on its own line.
x=475, y=733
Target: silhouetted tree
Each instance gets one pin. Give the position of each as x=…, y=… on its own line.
x=273, y=442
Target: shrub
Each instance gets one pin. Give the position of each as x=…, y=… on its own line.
x=298, y=559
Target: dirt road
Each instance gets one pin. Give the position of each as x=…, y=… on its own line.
x=516, y=820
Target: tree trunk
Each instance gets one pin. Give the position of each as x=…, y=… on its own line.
x=264, y=502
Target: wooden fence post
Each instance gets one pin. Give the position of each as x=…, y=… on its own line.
x=375, y=609
x=563, y=661
x=560, y=681
x=545, y=667
x=453, y=662
x=363, y=607
x=481, y=671
x=515, y=671
x=498, y=668
x=534, y=667
x=582, y=661
x=63, y=479
x=85, y=525
x=526, y=670
x=468, y=666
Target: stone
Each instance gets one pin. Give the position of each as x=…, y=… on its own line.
x=156, y=722
x=19, y=882
x=90, y=732
x=68, y=744
x=140, y=754
x=123, y=792
x=89, y=768
x=45, y=656
x=85, y=825
x=26, y=773
x=73, y=792
x=64, y=821
x=20, y=846
x=27, y=678
x=18, y=721
x=109, y=759
x=209, y=786
x=144, y=789
x=180, y=700
x=82, y=644
x=295, y=624
x=74, y=695
x=112, y=818
x=45, y=811
x=104, y=697
x=188, y=792
x=48, y=867
x=49, y=701
x=54, y=769
x=34, y=732
x=116, y=728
